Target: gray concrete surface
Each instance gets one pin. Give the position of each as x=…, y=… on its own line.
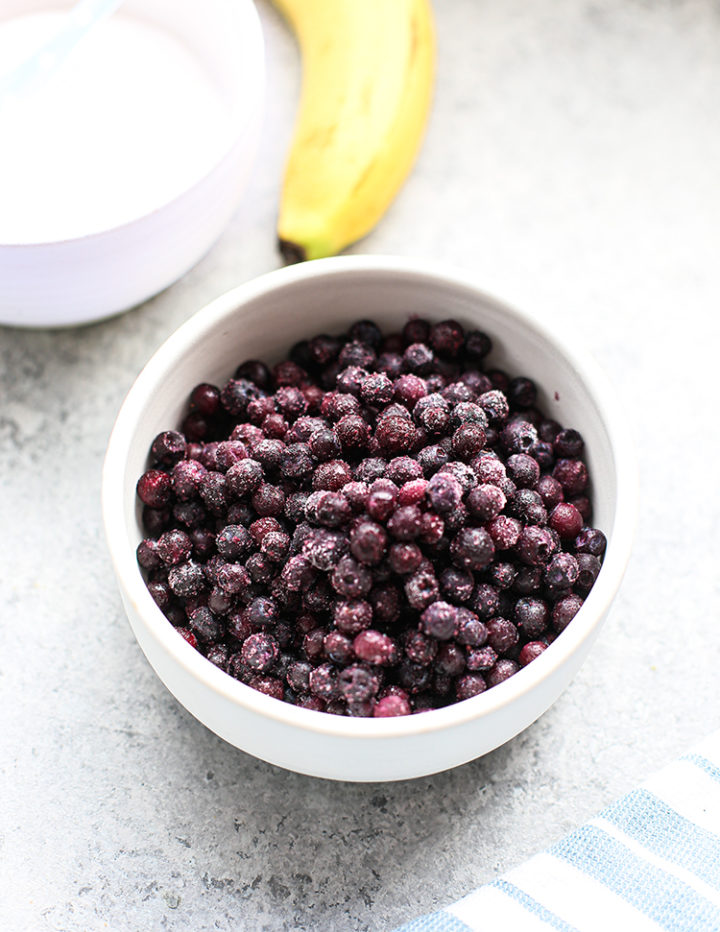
x=573, y=161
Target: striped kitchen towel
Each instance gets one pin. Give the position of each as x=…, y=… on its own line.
x=650, y=861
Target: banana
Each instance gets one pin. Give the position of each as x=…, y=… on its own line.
x=368, y=69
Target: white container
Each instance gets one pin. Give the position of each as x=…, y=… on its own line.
x=262, y=319
x=88, y=277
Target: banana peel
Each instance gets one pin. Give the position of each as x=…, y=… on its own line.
x=368, y=74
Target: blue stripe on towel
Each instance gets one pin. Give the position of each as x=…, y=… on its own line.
x=704, y=764
x=435, y=922
x=531, y=905
x=659, y=895
x=652, y=823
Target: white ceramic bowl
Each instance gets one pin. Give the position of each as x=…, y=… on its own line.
x=262, y=319
x=76, y=280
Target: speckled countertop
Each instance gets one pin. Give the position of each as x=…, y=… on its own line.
x=572, y=162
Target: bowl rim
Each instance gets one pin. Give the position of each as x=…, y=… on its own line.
x=252, y=44
x=585, y=624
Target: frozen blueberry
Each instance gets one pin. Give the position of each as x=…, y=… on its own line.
x=332, y=475
x=518, y=437
x=440, y=621
x=377, y=526
x=531, y=617
x=418, y=358
x=254, y=371
x=500, y=671
x=168, y=447
x=173, y=547
x=352, y=431
x=204, y=399
x=472, y=548
x=357, y=685
x=592, y=541
x=187, y=579
x=535, y=546
x=154, y=488
x=420, y=649
x=237, y=394
x=588, y=569
x=323, y=681
x=502, y=635
x=351, y=579
x=572, y=475
x=531, y=651
x=352, y=617
x=564, y=611
x=480, y=659
x=259, y=652
x=444, y=493
x=368, y=542
x=561, y=572
x=390, y=706
x=234, y=542
x=338, y=647
x=470, y=630
x=375, y=647
x=405, y=558
x=469, y=685
x=421, y=589
x=405, y=524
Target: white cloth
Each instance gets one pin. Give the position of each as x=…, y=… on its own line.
x=648, y=862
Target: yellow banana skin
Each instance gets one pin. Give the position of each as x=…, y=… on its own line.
x=368, y=70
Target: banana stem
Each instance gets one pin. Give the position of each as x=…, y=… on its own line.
x=291, y=252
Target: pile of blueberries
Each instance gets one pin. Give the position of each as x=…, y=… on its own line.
x=375, y=526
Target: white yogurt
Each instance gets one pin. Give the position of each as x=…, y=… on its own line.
x=127, y=123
